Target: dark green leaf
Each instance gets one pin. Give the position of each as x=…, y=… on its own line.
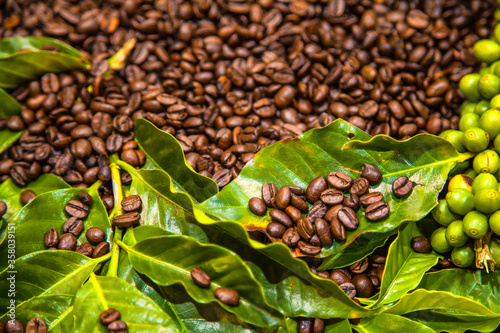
x=425, y=159
x=164, y=150
x=388, y=323
x=22, y=60
x=456, y=322
x=163, y=259
x=9, y=104
x=101, y=293
x=7, y=138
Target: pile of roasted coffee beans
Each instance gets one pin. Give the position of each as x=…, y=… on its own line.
x=332, y=212
x=78, y=210
x=227, y=78
x=111, y=319
x=131, y=205
x=35, y=325
x=225, y=295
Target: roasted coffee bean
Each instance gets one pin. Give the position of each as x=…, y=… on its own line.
x=281, y=217
x=126, y=220
x=77, y=209
x=347, y=216
x=26, y=196
x=339, y=180
x=402, y=187
x=308, y=249
x=359, y=186
x=351, y=201
x=108, y=316
x=95, y=235
x=283, y=197
x=305, y=326
x=293, y=213
x=315, y=240
x=372, y=173
x=51, y=238
x=85, y=249
x=339, y=277
x=85, y=198
x=19, y=176
x=201, y=278
x=421, y=244
x=73, y=226
x=364, y=286
x=332, y=212
x=377, y=211
x=131, y=203
x=349, y=288
x=305, y=228
x=296, y=190
x=323, y=274
x=332, y=196
x=118, y=326
x=371, y=198
x=338, y=229
x=315, y=188
x=100, y=249
x=318, y=210
x=291, y=237
x=257, y=206
x=269, y=191
x=359, y=267
x=36, y=325
x=227, y=296
x=14, y=326
x=3, y=208
x=67, y=241
x=298, y=203
x=275, y=229
x=323, y=231
x=319, y=325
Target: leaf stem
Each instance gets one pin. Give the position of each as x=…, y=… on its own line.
x=118, y=196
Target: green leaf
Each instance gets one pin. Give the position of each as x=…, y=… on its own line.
x=117, y=61
x=45, y=283
x=46, y=211
x=387, y=323
x=425, y=159
x=404, y=267
x=164, y=260
x=165, y=151
x=9, y=104
x=7, y=139
x=102, y=292
x=23, y=60
x=10, y=193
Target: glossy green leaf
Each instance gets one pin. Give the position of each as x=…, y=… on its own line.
x=46, y=211
x=455, y=322
x=165, y=151
x=22, y=59
x=9, y=105
x=10, y=193
x=404, y=267
x=101, y=293
x=164, y=260
x=425, y=159
x=388, y=323
x=45, y=283
x=7, y=139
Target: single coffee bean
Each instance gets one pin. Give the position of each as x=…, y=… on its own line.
x=51, y=238
x=283, y=197
x=95, y=235
x=402, y=187
x=323, y=231
x=2, y=327
x=296, y=190
x=36, y=325
x=257, y=206
x=3, y=208
x=319, y=325
x=126, y=220
x=351, y=201
x=338, y=229
x=100, y=250
x=85, y=198
x=421, y=244
x=67, y=241
x=349, y=288
x=298, y=203
x=118, y=326
x=200, y=277
x=275, y=229
x=372, y=173
x=370, y=198
x=347, y=216
x=77, y=209
x=323, y=274
x=332, y=196
x=315, y=240
x=131, y=203
x=315, y=188
x=332, y=213
x=305, y=326
x=281, y=217
x=269, y=191
x=293, y=213
x=291, y=237
x=364, y=286
x=360, y=266
x=85, y=249
x=305, y=228
x=339, y=277
x=318, y=210
x=377, y=211
x=108, y=316
x=339, y=180
x=74, y=226
x=227, y=296
x=19, y=176
x=359, y=186
x=14, y=326
x=26, y=196
x=308, y=249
